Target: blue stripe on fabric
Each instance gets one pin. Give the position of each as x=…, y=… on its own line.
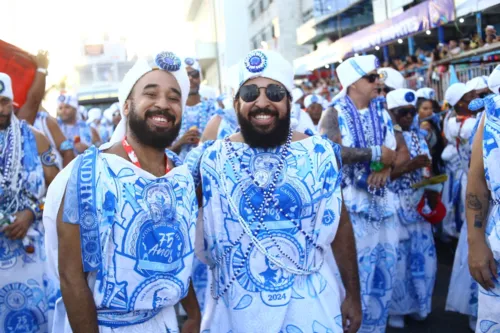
x=356, y=67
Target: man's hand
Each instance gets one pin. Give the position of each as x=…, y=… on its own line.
x=19, y=228
x=379, y=179
x=80, y=147
x=42, y=59
x=482, y=265
x=419, y=162
x=388, y=156
x=351, y=314
x=191, y=325
x=191, y=137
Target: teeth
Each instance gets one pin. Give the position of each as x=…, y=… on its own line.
x=160, y=119
x=263, y=116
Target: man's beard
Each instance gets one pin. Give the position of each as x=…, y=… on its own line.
x=258, y=139
x=5, y=123
x=159, y=138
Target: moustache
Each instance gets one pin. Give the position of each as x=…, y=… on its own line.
x=255, y=112
x=165, y=113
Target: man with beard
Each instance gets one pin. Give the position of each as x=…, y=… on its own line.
x=460, y=126
x=78, y=131
x=276, y=234
x=197, y=113
x=27, y=166
x=366, y=133
x=125, y=224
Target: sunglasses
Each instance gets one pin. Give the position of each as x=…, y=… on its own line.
x=274, y=92
x=371, y=77
x=403, y=112
x=194, y=74
x=385, y=90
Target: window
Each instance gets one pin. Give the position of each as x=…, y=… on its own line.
x=261, y=6
x=263, y=36
x=255, y=44
x=252, y=14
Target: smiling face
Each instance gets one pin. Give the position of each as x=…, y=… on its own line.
x=315, y=110
x=154, y=109
x=6, y=108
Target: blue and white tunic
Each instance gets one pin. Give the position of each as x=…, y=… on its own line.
x=228, y=124
x=41, y=125
x=195, y=116
x=462, y=293
x=489, y=301
x=417, y=262
x=373, y=218
x=80, y=129
x=26, y=299
x=137, y=236
x=270, y=276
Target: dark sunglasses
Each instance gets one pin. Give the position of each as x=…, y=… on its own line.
x=194, y=74
x=274, y=92
x=403, y=112
x=371, y=77
x=385, y=90
x=483, y=95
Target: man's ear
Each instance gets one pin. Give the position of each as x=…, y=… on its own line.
x=127, y=107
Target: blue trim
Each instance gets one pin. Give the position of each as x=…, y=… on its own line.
x=356, y=67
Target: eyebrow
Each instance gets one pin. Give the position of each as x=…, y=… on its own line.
x=151, y=85
x=176, y=91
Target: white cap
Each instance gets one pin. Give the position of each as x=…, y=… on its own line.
x=193, y=63
x=455, y=92
x=108, y=114
x=69, y=100
x=313, y=99
x=391, y=78
x=494, y=80
x=426, y=93
x=490, y=27
x=6, y=86
x=478, y=83
x=268, y=64
x=94, y=114
x=353, y=69
x=401, y=97
x=297, y=93
x=166, y=61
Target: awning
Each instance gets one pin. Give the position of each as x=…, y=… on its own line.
x=316, y=59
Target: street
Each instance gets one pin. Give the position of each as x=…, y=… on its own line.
x=439, y=320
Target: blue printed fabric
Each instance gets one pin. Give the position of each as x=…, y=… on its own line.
x=269, y=276
x=489, y=301
x=195, y=116
x=80, y=129
x=417, y=262
x=228, y=124
x=137, y=236
x=26, y=293
x=374, y=222
x=462, y=293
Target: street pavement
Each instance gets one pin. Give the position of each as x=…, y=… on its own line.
x=439, y=321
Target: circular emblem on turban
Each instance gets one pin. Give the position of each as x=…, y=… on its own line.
x=61, y=98
x=189, y=61
x=383, y=75
x=168, y=61
x=314, y=99
x=409, y=97
x=2, y=87
x=377, y=63
x=431, y=94
x=256, y=62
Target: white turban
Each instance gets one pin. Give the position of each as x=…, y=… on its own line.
x=166, y=61
x=312, y=99
x=69, y=100
x=455, y=92
x=353, y=69
x=391, y=78
x=6, y=86
x=494, y=80
x=94, y=114
x=268, y=64
x=426, y=93
x=478, y=83
x=401, y=97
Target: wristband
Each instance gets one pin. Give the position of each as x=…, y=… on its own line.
x=42, y=70
x=66, y=145
x=376, y=153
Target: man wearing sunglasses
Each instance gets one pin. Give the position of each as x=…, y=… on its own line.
x=366, y=133
x=390, y=79
x=414, y=278
x=197, y=113
x=276, y=234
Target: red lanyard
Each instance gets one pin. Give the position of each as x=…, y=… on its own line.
x=133, y=157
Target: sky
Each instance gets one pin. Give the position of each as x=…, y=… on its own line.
x=59, y=26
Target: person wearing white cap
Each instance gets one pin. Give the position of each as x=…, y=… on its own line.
x=414, y=281
x=366, y=134
x=314, y=105
x=126, y=221
x=27, y=165
x=460, y=126
x=301, y=121
x=278, y=247
x=483, y=214
x=391, y=79
x=78, y=131
x=197, y=113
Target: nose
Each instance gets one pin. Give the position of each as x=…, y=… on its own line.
x=162, y=103
x=262, y=101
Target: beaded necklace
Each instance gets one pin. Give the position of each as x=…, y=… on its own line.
x=11, y=160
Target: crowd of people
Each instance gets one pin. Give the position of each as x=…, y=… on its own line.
x=280, y=209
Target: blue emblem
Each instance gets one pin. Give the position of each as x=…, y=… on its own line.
x=62, y=98
x=256, y=62
x=2, y=87
x=431, y=94
x=189, y=61
x=409, y=97
x=314, y=99
x=168, y=61
x=377, y=63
